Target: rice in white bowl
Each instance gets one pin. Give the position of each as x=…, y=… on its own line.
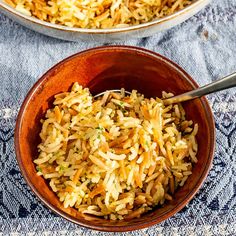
x=118, y=156
x=98, y=13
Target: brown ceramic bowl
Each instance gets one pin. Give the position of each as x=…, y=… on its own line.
x=111, y=68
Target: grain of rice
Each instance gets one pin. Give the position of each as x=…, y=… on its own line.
x=97, y=14
x=114, y=164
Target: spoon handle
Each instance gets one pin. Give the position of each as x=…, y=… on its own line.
x=221, y=84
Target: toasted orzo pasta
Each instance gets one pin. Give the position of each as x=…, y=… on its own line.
x=98, y=13
x=117, y=156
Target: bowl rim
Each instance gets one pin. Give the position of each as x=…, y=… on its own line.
x=151, y=222
x=42, y=23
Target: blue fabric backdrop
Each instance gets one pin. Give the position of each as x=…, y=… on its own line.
x=205, y=46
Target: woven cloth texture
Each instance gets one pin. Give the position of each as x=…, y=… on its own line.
x=204, y=45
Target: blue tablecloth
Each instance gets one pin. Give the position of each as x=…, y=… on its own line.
x=205, y=46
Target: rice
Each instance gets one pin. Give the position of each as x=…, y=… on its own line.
x=98, y=13
x=116, y=157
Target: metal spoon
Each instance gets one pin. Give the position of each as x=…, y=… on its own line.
x=221, y=84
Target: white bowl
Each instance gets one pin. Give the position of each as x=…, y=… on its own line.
x=104, y=35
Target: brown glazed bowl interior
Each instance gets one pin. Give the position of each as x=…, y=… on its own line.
x=100, y=69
